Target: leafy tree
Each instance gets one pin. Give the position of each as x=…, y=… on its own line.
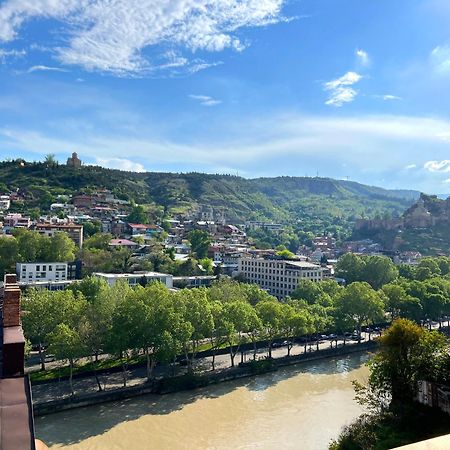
x=358, y=304
x=296, y=323
x=50, y=160
x=66, y=344
x=270, y=313
x=407, y=271
x=195, y=309
x=378, y=271
x=155, y=321
x=408, y=353
x=285, y=254
x=170, y=252
x=32, y=245
x=207, y=265
x=138, y=215
x=400, y=304
x=200, y=242
x=98, y=241
x=44, y=310
x=349, y=267
x=61, y=248
x=308, y=290
x=428, y=266
x=123, y=336
x=444, y=264
x=9, y=252
x=91, y=227
x=221, y=329
x=241, y=319
x=122, y=260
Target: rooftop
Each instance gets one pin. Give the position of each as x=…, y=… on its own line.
x=132, y=275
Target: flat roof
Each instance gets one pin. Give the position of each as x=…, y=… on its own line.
x=54, y=225
x=303, y=264
x=198, y=277
x=131, y=275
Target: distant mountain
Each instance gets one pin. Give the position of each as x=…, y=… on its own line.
x=314, y=204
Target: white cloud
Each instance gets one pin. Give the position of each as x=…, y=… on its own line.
x=340, y=89
x=440, y=59
x=45, y=69
x=121, y=164
x=6, y=54
x=363, y=57
x=279, y=143
x=438, y=166
x=206, y=100
x=391, y=97
x=444, y=136
x=410, y=166
x=112, y=36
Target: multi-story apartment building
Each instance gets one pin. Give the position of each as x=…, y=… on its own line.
x=255, y=225
x=16, y=220
x=279, y=277
x=74, y=231
x=41, y=271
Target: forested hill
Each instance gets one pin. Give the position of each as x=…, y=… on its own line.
x=316, y=202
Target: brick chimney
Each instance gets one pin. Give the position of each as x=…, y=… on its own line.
x=11, y=302
x=13, y=350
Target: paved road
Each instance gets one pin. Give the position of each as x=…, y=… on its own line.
x=50, y=391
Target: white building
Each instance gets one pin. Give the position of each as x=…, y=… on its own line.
x=279, y=277
x=133, y=279
x=43, y=271
x=5, y=202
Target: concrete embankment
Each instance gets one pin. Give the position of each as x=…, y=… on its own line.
x=186, y=382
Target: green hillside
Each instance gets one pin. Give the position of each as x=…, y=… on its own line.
x=315, y=204
x=425, y=228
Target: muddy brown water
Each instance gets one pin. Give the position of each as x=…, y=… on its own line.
x=301, y=407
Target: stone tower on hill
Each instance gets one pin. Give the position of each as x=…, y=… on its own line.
x=74, y=161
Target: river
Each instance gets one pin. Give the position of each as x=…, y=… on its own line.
x=301, y=407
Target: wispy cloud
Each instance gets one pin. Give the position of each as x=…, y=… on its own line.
x=45, y=69
x=340, y=90
x=363, y=57
x=7, y=54
x=277, y=143
x=113, y=36
x=389, y=97
x=438, y=166
x=411, y=166
x=205, y=100
x=440, y=59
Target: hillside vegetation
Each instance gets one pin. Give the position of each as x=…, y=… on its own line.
x=424, y=228
x=315, y=203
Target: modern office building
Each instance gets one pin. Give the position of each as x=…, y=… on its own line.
x=279, y=277
x=41, y=271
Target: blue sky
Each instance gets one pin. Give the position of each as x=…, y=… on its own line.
x=342, y=88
